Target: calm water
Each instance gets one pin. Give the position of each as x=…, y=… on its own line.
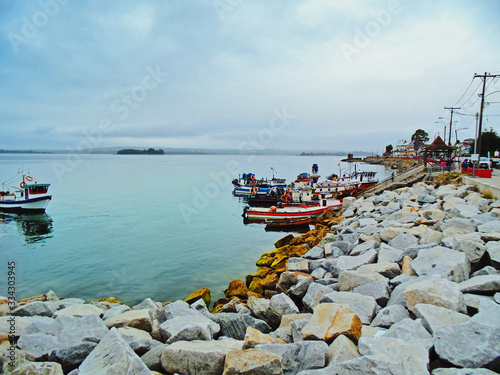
x=139, y=226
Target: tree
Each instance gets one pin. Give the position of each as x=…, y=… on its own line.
x=388, y=150
x=419, y=138
x=490, y=142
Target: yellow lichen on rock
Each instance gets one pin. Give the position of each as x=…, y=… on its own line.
x=236, y=288
x=203, y=293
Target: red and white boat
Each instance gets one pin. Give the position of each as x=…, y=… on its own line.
x=30, y=197
x=287, y=212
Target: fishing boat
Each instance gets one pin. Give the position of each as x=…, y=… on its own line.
x=287, y=212
x=296, y=224
x=30, y=197
x=247, y=184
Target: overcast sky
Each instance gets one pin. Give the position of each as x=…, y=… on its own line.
x=282, y=74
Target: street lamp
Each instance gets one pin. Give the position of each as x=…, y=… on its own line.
x=444, y=133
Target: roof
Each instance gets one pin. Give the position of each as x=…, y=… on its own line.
x=438, y=144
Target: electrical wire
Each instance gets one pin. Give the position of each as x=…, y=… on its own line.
x=465, y=92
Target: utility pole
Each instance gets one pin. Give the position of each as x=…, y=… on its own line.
x=451, y=121
x=484, y=77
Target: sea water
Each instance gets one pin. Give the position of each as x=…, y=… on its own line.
x=138, y=226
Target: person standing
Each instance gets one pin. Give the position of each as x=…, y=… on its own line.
x=442, y=164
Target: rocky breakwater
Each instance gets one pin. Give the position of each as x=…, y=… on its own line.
x=406, y=282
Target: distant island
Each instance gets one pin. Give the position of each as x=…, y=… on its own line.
x=149, y=151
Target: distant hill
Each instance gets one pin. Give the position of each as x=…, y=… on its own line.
x=149, y=151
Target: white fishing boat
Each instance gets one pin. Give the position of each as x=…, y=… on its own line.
x=30, y=196
x=303, y=211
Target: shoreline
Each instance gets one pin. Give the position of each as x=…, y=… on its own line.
x=370, y=272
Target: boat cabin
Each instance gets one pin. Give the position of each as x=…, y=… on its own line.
x=35, y=190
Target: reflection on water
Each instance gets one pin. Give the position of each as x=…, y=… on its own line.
x=34, y=228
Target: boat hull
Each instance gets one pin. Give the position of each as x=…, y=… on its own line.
x=284, y=213
x=33, y=205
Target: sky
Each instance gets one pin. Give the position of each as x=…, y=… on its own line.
x=340, y=75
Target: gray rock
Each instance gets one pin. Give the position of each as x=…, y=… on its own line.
x=435, y=291
x=386, y=269
x=366, y=207
x=412, y=251
x=470, y=344
x=403, y=217
x=188, y=328
x=462, y=210
x=398, y=293
x=235, y=325
x=349, y=238
x=115, y=310
x=341, y=349
x=390, y=315
x=296, y=329
x=388, y=253
x=431, y=236
x=430, y=216
x=434, y=317
x=390, y=232
x=473, y=248
x=485, y=217
x=352, y=262
x=491, y=226
x=198, y=357
x=72, y=357
x=318, y=273
x=458, y=225
x=410, y=330
x=426, y=198
x=348, y=280
x=363, y=306
x=175, y=309
x=363, y=248
x=489, y=313
x=403, y=240
x=113, y=356
x=299, y=356
x=343, y=246
x=42, y=337
x=35, y=308
x=398, y=280
x=485, y=271
x=141, y=319
x=149, y=304
x=19, y=323
x=284, y=332
x=493, y=249
x=481, y=284
x=300, y=289
x=252, y=361
x=140, y=341
x=379, y=290
x=390, y=208
x=404, y=358
x=462, y=371
x=332, y=251
x=315, y=253
x=260, y=308
x=36, y=368
x=314, y=294
x=472, y=300
x=297, y=265
x=152, y=359
x=281, y=305
x=79, y=310
x=442, y=261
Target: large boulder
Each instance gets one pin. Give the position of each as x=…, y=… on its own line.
x=379, y=290
x=281, y=305
x=175, y=309
x=235, y=325
x=470, y=344
x=252, y=361
x=410, y=330
x=198, y=357
x=37, y=308
x=481, y=284
x=352, y=262
x=348, y=280
x=442, y=261
x=42, y=337
x=341, y=349
x=390, y=315
x=79, y=310
x=140, y=319
x=363, y=306
x=298, y=356
x=140, y=341
x=403, y=240
x=434, y=317
x=113, y=356
x=330, y=320
x=185, y=328
x=435, y=291
x=314, y=293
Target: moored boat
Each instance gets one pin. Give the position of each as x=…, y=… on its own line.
x=30, y=197
x=287, y=212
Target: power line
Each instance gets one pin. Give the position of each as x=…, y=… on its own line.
x=465, y=92
x=484, y=78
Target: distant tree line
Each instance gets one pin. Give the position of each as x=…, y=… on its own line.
x=149, y=151
x=490, y=142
